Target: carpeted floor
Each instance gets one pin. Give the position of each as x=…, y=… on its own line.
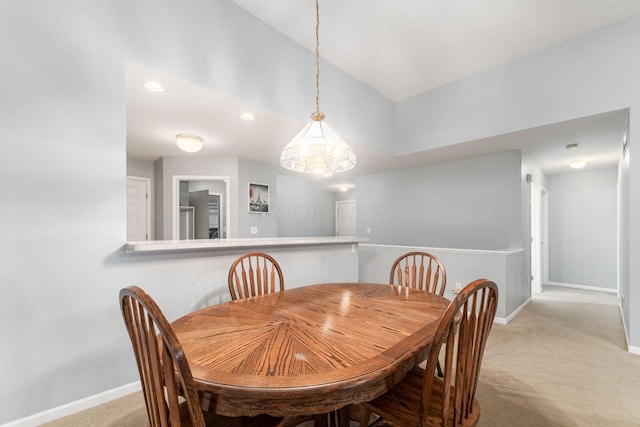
x=561, y=362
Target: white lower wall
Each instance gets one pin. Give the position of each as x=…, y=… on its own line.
x=505, y=268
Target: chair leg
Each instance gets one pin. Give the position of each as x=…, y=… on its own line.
x=321, y=420
x=339, y=418
x=365, y=418
x=381, y=422
x=294, y=420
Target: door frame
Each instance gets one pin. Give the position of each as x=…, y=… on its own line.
x=175, y=192
x=539, y=247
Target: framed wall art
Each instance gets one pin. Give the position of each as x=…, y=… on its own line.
x=258, y=198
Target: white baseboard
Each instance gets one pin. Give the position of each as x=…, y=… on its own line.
x=503, y=321
x=624, y=326
x=631, y=349
x=583, y=287
x=73, y=407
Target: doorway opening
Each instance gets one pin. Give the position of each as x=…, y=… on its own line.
x=539, y=235
x=346, y=218
x=201, y=207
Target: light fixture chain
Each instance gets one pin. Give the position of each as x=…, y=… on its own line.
x=317, y=57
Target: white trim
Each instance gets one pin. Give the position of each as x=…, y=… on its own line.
x=630, y=349
x=469, y=251
x=503, y=321
x=237, y=243
x=76, y=406
x=583, y=287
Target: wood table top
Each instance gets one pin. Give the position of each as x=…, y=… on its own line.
x=308, y=350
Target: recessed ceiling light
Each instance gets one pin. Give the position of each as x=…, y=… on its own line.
x=247, y=116
x=572, y=146
x=154, y=86
x=189, y=143
x=578, y=164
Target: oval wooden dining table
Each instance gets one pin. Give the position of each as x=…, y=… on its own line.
x=307, y=350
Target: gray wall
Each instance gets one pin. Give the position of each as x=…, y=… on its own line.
x=474, y=203
x=257, y=173
x=579, y=78
x=582, y=228
x=304, y=208
x=63, y=97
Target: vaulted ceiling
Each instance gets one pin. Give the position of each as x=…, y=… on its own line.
x=400, y=49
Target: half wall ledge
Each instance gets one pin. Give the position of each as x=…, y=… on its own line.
x=238, y=243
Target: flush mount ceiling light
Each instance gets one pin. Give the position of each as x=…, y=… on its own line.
x=578, y=164
x=317, y=148
x=154, y=86
x=247, y=116
x=189, y=143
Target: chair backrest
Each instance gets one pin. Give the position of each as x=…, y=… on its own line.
x=255, y=273
x=160, y=360
x=469, y=316
x=419, y=270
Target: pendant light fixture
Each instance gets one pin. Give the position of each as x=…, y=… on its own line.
x=317, y=148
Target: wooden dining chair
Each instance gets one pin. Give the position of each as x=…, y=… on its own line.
x=419, y=270
x=255, y=273
x=423, y=399
x=169, y=390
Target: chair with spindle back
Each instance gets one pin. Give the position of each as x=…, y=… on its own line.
x=419, y=270
x=169, y=390
x=255, y=273
x=422, y=399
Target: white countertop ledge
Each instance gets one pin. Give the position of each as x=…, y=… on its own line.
x=240, y=243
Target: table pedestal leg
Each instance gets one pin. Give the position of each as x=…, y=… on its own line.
x=339, y=418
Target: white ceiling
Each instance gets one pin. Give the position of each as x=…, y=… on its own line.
x=405, y=47
x=399, y=48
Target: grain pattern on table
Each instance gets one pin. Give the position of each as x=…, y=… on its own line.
x=308, y=350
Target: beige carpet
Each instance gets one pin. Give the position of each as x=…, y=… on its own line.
x=561, y=362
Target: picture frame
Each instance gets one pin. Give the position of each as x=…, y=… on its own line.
x=258, y=200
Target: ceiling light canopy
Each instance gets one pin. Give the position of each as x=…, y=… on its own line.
x=578, y=164
x=154, y=86
x=189, y=143
x=572, y=146
x=317, y=148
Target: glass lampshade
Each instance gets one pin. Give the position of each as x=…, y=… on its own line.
x=317, y=149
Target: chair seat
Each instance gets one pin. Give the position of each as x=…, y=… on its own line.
x=400, y=406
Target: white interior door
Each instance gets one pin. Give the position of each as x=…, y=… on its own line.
x=138, y=208
x=346, y=218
